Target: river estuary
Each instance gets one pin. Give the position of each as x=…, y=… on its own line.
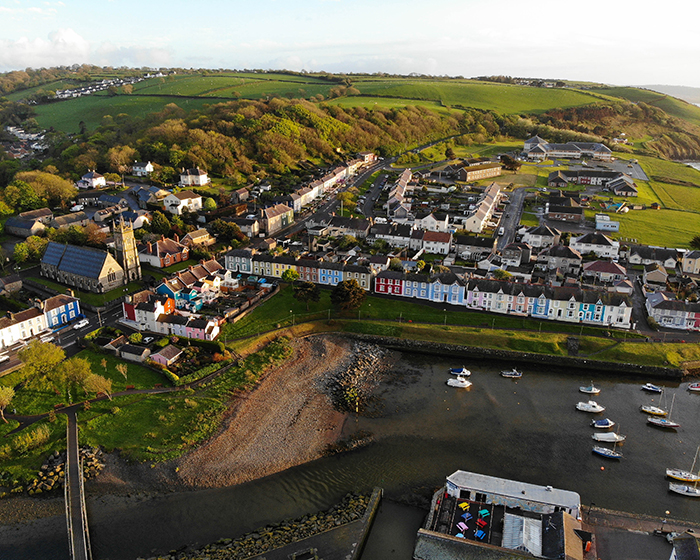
x=527, y=430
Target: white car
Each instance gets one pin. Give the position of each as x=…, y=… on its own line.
x=4, y=358
x=80, y=324
x=78, y=208
x=148, y=340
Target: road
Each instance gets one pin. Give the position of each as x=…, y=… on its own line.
x=511, y=218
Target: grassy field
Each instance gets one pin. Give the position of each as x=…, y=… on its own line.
x=385, y=103
x=670, y=105
x=502, y=98
x=66, y=115
x=667, y=228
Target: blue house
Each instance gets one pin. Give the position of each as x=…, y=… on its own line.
x=330, y=274
x=60, y=309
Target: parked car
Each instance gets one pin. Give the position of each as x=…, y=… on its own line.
x=77, y=208
x=147, y=339
x=4, y=358
x=80, y=324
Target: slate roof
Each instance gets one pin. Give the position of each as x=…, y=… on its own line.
x=593, y=239
x=36, y=214
x=20, y=317
x=55, y=302
x=186, y=195
x=83, y=261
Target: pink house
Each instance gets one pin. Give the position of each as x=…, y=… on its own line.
x=167, y=356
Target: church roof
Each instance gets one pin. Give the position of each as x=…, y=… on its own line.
x=72, y=259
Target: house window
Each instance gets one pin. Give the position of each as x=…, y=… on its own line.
x=71, y=314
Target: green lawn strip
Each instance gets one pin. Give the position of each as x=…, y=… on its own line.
x=282, y=309
x=529, y=219
x=90, y=298
x=177, y=267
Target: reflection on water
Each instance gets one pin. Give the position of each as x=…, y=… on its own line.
x=527, y=430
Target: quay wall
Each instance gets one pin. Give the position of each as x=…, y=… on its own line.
x=568, y=362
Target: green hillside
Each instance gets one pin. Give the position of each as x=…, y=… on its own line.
x=502, y=98
x=671, y=105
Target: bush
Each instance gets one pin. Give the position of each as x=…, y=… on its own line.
x=135, y=337
x=26, y=441
x=163, y=342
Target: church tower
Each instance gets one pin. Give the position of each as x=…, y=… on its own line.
x=127, y=254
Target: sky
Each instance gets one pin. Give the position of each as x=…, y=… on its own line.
x=616, y=42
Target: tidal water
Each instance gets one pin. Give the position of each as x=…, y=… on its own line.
x=424, y=430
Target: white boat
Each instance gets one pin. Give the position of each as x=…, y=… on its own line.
x=460, y=382
x=684, y=489
x=652, y=388
x=590, y=390
x=607, y=452
x=685, y=476
x=513, y=373
x=590, y=406
x=460, y=371
x=653, y=410
x=602, y=424
x=694, y=387
x=609, y=437
x=661, y=422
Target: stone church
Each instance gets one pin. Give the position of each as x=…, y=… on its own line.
x=94, y=270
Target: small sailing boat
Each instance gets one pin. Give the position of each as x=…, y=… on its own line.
x=460, y=371
x=602, y=424
x=513, y=373
x=654, y=410
x=685, y=476
x=685, y=489
x=694, y=387
x=590, y=390
x=607, y=452
x=661, y=422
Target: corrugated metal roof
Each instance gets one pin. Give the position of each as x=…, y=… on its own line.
x=522, y=533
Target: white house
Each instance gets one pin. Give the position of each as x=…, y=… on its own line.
x=93, y=180
x=194, y=177
x=177, y=203
x=597, y=243
x=141, y=169
x=21, y=326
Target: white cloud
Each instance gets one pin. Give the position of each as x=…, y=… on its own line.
x=63, y=47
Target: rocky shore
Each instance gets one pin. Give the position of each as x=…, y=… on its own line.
x=276, y=535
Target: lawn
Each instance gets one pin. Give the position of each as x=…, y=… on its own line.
x=90, y=298
x=368, y=102
x=283, y=310
x=137, y=375
x=667, y=228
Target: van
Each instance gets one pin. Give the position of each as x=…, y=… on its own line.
x=501, y=230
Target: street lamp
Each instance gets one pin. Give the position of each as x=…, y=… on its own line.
x=292, y=316
x=445, y=312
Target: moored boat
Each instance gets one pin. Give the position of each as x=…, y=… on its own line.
x=684, y=490
x=653, y=410
x=652, y=388
x=590, y=390
x=460, y=382
x=606, y=452
x=460, y=371
x=694, y=387
x=610, y=437
x=513, y=373
x=685, y=476
x=590, y=406
x=602, y=424
x=661, y=422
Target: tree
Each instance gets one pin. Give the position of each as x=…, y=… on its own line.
x=6, y=396
x=20, y=196
x=395, y=264
x=135, y=337
x=120, y=158
x=695, y=242
x=209, y=204
x=500, y=274
x=420, y=265
x=41, y=359
x=290, y=275
x=123, y=369
x=306, y=292
x=348, y=295
x=48, y=186
x=74, y=372
x=98, y=384
x=160, y=223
